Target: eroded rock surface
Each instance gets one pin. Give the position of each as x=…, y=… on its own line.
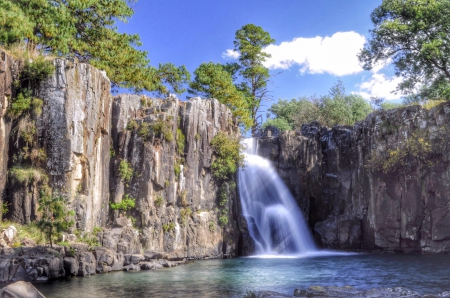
x=349, y=202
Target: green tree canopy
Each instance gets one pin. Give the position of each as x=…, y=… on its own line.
x=242, y=86
x=414, y=35
x=335, y=108
x=250, y=42
x=214, y=80
x=87, y=29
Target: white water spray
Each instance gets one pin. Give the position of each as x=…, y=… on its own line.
x=274, y=220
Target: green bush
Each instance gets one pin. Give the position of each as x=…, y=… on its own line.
x=181, y=142
x=223, y=219
x=212, y=226
x=20, y=104
x=37, y=70
x=55, y=216
x=4, y=208
x=228, y=156
x=163, y=130
x=170, y=227
x=417, y=147
x=159, y=201
x=132, y=125
x=124, y=205
x=185, y=213
x=144, y=131
x=125, y=171
x=26, y=174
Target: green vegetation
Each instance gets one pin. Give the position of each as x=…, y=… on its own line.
x=29, y=231
x=88, y=31
x=212, y=226
x=181, y=142
x=126, y=203
x=413, y=36
x=167, y=183
x=227, y=150
x=97, y=230
x=241, y=86
x=132, y=125
x=4, y=209
x=185, y=214
x=332, y=109
x=90, y=239
x=183, y=198
x=223, y=195
x=27, y=174
x=163, y=130
x=125, y=171
x=417, y=147
x=159, y=201
x=55, y=216
x=169, y=227
x=212, y=80
x=144, y=131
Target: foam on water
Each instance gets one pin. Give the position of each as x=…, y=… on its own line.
x=274, y=220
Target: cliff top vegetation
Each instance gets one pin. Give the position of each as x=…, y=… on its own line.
x=88, y=31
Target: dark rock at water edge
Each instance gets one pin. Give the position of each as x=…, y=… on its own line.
x=349, y=203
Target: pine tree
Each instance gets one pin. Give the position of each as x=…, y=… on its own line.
x=87, y=29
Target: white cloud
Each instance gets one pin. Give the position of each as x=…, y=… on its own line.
x=335, y=55
x=230, y=54
x=379, y=85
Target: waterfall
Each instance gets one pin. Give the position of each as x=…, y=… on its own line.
x=274, y=220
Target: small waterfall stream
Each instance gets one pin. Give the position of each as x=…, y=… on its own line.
x=274, y=220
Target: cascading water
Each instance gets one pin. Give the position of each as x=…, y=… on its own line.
x=274, y=220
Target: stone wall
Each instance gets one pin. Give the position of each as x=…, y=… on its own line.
x=349, y=202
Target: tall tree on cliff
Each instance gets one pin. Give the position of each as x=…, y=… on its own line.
x=87, y=30
x=214, y=80
x=414, y=35
x=242, y=86
x=250, y=42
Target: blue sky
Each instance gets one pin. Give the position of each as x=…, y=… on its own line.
x=316, y=41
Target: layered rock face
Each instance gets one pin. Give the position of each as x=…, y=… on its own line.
x=382, y=184
x=74, y=132
x=86, y=136
x=9, y=71
x=175, y=193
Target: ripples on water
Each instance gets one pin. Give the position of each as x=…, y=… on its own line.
x=233, y=277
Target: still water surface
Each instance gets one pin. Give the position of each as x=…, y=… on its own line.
x=233, y=277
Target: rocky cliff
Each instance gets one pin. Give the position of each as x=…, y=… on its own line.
x=99, y=150
x=381, y=184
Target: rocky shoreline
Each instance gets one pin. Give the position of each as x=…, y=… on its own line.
x=120, y=251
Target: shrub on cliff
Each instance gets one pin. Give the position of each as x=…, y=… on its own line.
x=228, y=156
x=87, y=30
x=56, y=217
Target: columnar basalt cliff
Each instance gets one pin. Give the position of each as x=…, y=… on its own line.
x=88, y=136
x=166, y=144
x=381, y=184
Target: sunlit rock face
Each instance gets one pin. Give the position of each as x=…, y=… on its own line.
x=83, y=132
x=349, y=202
x=162, y=194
